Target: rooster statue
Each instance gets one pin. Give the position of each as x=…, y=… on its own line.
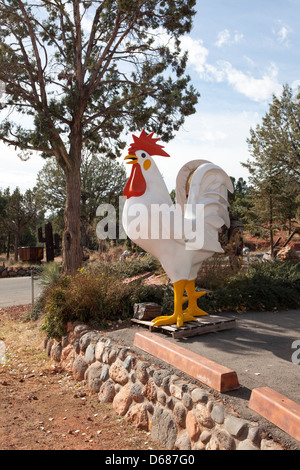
x=199, y=184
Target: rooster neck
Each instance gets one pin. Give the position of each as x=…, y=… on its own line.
x=147, y=186
x=155, y=186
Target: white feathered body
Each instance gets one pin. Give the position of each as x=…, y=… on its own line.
x=198, y=215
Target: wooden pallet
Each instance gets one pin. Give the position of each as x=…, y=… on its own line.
x=201, y=325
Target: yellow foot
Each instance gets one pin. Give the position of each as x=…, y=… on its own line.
x=193, y=296
x=179, y=317
x=197, y=295
x=187, y=316
x=172, y=319
x=168, y=320
x=194, y=311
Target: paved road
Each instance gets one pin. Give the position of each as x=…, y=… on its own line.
x=17, y=291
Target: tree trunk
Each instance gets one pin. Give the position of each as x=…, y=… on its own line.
x=271, y=227
x=72, y=251
x=16, y=246
x=8, y=246
x=272, y=242
x=84, y=236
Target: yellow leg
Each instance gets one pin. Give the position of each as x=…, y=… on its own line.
x=193, y=309
x=177, y=316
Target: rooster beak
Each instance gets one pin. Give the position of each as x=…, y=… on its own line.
x=133, y=159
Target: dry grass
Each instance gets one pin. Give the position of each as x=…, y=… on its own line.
x=43, y=408
x=16, y=333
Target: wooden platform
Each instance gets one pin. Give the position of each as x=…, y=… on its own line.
x=202, y=325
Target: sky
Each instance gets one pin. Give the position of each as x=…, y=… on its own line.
x=241, y=53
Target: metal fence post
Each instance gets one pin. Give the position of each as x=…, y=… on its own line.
x=32, y=287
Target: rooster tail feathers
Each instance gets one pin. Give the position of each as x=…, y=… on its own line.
x=209, y=178
x=211, y=209
x=208, y=186
x=183, y=181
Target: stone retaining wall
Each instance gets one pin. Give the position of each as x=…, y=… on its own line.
x=180, y=414
x=18, y=271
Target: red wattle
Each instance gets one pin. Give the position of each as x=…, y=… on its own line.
x=136, y=185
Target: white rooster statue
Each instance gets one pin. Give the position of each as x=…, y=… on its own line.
x=199, y=184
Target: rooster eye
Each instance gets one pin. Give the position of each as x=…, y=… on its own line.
x=142, y=154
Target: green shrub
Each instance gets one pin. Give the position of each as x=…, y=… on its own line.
x=50, y=274
x=93, y=296
x=134, y=266
x=129, y=267
x=213, y=272
x=161, y=294
x=94, y=299
x=264, y=286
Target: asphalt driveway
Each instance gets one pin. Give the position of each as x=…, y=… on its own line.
x=17, y=291
x=261, y=349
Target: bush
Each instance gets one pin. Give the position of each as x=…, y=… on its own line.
x=264, y=286
x=96, y=296
x=94, y=299
x=129, y=267
x=213, y=272
x=50, y=274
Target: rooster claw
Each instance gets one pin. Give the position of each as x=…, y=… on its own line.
x=188, y=317
x=172, y=319
x=168, y=320
x=196, y=312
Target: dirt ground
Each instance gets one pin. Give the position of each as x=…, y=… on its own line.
x=43, y=408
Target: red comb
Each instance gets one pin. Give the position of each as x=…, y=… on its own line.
x=147, y=143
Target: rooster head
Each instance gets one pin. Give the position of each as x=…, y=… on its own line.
x=139, y=156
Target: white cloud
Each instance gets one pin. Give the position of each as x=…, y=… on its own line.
x=219, y=138
x=281, y=32
x=197, y=52
x=295, y=84
x=258, y=89
x=223, y=38
x=16, y=173
x=226, y=38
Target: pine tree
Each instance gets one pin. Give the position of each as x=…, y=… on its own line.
x=81, y=74
x=278, y=137
x=274, y=165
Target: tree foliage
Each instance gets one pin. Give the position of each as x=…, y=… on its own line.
x=98, y=65
x=102, y=181
x=81, y=74
x=19, y=216
x=278, y=137
x=240, y=200
x=274, y=166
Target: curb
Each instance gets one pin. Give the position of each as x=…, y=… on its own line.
x=268, y=403
x=277, y=409
x=206, y=371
